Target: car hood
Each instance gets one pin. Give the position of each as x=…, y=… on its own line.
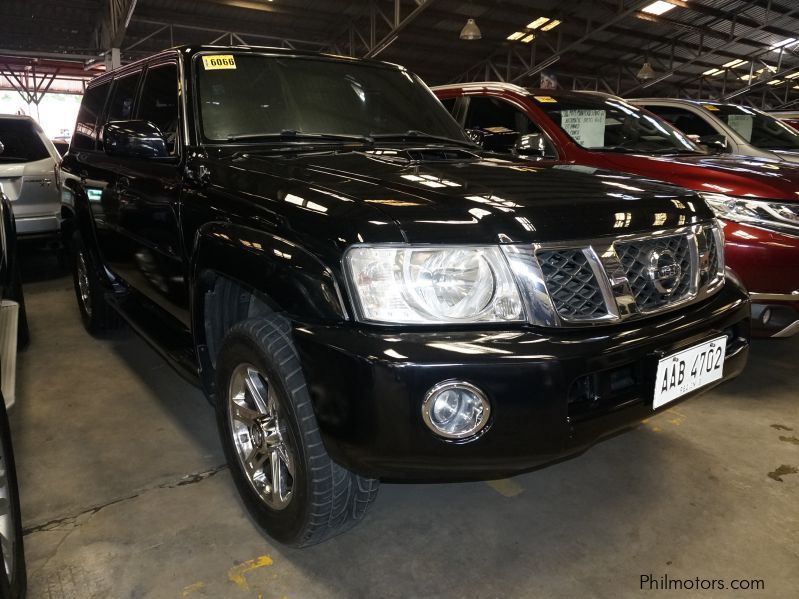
x=731, y=175
x=789, y=156
x=479, y=200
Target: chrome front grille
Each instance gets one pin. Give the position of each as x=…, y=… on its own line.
x=572, y=284
x=626, y=277
x=639, y=260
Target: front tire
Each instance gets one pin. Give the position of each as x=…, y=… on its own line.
x=272, y=442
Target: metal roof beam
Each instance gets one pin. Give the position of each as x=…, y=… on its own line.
x=114, y=23
x=620, y=15
x=704, y=54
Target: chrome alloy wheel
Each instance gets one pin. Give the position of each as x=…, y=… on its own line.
x=83, y=284
x=7, y=527
x=260, y=437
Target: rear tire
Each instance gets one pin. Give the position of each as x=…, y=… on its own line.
x=97, y=316
x=265, y=416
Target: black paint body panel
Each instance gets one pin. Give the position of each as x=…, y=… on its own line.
x=278, y=224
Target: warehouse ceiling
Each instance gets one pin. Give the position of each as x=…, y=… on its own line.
x=742, y=50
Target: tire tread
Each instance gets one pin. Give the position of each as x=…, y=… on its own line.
x=338, y=498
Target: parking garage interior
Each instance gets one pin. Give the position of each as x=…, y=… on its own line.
x=125, y=490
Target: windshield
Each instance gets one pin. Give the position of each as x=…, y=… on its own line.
x=249, y=95
x=757, y=128
x=19, y=142
x=611, y=125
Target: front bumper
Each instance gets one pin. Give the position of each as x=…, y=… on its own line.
x=768, y=264
x=368, y=384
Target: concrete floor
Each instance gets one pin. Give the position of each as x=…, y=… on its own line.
x=125, y=493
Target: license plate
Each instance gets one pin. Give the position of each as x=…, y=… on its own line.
x=688, y=370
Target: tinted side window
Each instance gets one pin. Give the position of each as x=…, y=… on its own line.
x=685, y=120
x=19, y=142
x=159, y=101
x=85, y=133
x=499, y=118
x=487, y=113
x=449, y=104
x=122, y=98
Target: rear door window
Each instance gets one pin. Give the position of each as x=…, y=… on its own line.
x=123, y=98
x=20, y=142
x=91, y=107
x=159, y=101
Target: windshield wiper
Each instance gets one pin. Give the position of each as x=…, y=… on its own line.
x=674, y=151
x=294, y=135
x=621, y=149
x=414, y=135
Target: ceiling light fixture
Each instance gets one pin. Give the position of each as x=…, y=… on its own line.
x=517, y=35
x=712, y=72
x=537, y=23
x=658, y=8
x=774, y=82
x=551, y=25
x=734, y=63
x=528, y=38
x=792, y=75
x=646, y=72
x=783, y=44
x=471, y=31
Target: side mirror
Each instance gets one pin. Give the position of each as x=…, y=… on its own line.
x=534, y=144
x=134, y=139
x=476, y=135
x=715, y=143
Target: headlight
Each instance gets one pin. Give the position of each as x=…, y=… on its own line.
x=433, y=284
x=778, y=216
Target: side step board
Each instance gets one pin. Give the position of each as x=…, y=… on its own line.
x=149, y=321
x=9, y=317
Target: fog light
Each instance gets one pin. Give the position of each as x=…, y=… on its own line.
x=455, y=409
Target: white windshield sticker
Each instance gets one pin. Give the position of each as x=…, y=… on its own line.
x=585, y=126
x=742, y=123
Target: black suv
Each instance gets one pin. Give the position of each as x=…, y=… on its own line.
x=364, y=293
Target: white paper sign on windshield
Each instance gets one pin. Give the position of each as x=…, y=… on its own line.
x=742, y=123
x=585, y=126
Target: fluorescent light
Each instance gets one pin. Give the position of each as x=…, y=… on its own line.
x=515, y=36
x=658, y=8
x=792, y=75
x=746, y=77
x=711, y=72
x=783, y=43
x=537, y=23
x=774, y=82
x=734, y=63
x=551, y=25
x=528, y=38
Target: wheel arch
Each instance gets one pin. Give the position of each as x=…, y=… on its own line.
x=239, y=273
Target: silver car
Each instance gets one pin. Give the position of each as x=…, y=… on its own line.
x=729, y=128
x=29, y=165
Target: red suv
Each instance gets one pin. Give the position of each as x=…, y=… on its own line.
x=757, y=199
